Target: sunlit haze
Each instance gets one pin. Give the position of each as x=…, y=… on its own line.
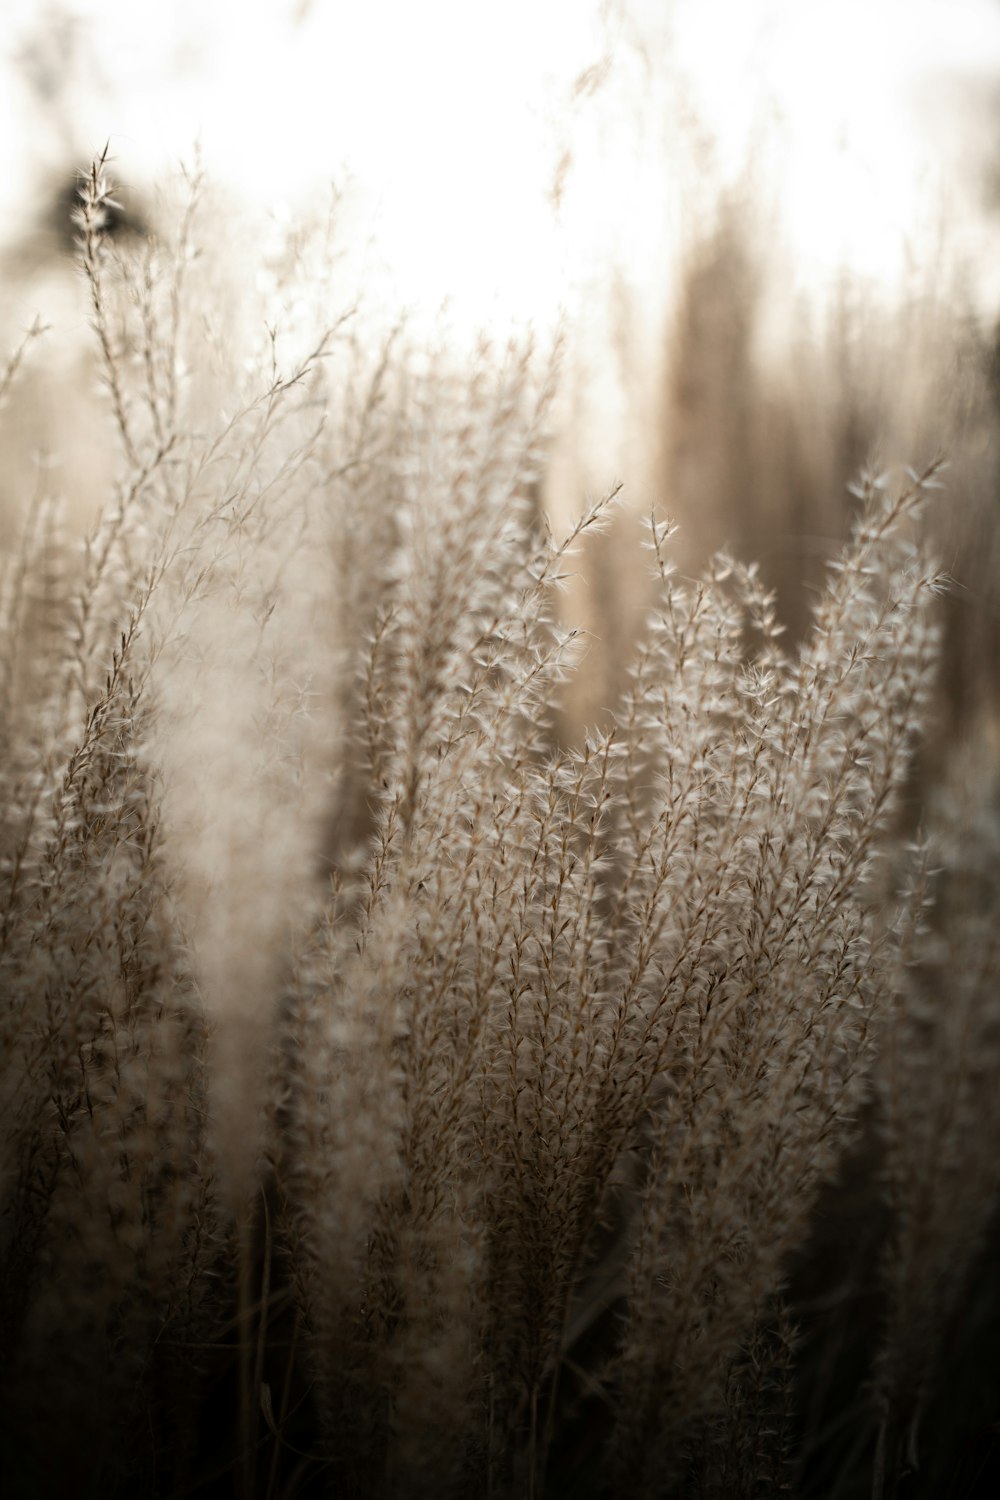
x=506, y=154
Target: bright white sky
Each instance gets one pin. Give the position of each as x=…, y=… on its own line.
x=452, y=115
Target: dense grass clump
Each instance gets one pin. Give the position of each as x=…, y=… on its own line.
x=406, y=1092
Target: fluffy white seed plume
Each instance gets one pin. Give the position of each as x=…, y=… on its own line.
x=244, y=738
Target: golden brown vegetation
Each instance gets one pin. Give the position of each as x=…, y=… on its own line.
x=401, y=1096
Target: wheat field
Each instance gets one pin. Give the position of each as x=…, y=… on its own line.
x=420, y=1081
